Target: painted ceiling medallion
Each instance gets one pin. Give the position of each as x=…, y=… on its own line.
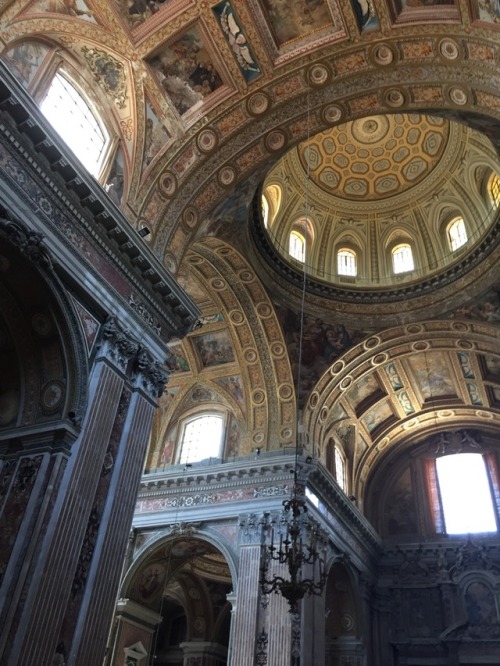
x=394, y=98
x=449, y=49
x=275, y=140
x=258, y=104
x=226, y=176
x=168, y=184
x=207, y=141
x=318, y=75
x=382, y=54
x=332, y=114
x=458, y=96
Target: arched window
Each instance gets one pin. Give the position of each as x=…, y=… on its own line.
x=346, y=263
x=457, y=234
x=465, y=494
x=297, y=246
x=402, y=258
x=265, y=210
x=76, y=123
x=201, y=438
x=340, y=469
x=494, y=189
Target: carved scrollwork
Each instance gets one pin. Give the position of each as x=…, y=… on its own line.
x=117, y=343
x=29, y=242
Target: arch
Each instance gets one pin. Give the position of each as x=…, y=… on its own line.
x=402, y=258
x=456, y=233
x=34, y=333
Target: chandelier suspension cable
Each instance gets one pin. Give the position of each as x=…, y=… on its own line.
x=302, y=543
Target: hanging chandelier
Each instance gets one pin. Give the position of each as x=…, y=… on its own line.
x=297, y=542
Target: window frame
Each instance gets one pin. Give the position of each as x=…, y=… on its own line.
x=462, y=235
x=397, y=250
x=343, y=251
x=184, y=425
x=299, y=237
x=104, y=163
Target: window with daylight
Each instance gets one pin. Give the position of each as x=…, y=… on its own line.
x=265, y=210
x=201, y=439
x=340, y=470
x=76, y=123
x=457, y=234
x=297, y=246
x=346, y=263
x=494, y=188
x=402, y=258
x=465, y=493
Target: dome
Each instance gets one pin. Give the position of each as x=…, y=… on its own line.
x=378, y=186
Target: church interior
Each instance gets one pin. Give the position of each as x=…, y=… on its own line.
x=249, y=332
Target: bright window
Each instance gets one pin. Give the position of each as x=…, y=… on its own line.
x=457, y=235
x=495, y=189
x=201, y=439
x=76, y=123
x=465, y=494
x=297, y=246
x=265, y=210
x=402, y=258
x=346, y=263
x=340, y=469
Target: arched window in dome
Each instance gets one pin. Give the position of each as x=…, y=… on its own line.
x=201, y=438
x=340, y=469
x=347, y=263
x=494, y=189
x=76, y=122
x=402, y=258
x=465, y=494
x=457, y=234
x=264, y=207
x=297, y=246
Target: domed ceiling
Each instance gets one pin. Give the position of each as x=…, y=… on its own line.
x=376, y=157
x=379, y=181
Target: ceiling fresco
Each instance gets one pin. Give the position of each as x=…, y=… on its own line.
x=395, y=108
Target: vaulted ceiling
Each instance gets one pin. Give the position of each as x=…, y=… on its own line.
x=204, y=98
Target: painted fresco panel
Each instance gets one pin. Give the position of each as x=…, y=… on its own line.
x=155, y=138
x=136, y=12
x=363, y=389
x=213, y=348
x=236, y=38
x=186, y=71
x=291, y=20
x=76, y=8
x=24, y=59
x=376, y=416
x=433, y=375
x=365, y=14
x=489, y=11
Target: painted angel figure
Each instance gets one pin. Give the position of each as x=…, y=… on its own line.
x=237, y=39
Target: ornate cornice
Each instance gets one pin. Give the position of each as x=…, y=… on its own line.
x=39, y=147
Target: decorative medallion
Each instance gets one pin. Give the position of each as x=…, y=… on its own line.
x=285, y=392
x=275, y=140
x=449, y=49
x=318, y=75
x=286, y=433
x=458, y=96
x=258, y=104
x=258, y=438
x=109, y=74
x=218, y=284
x=278, y=349
x=324, y=414
x=379, y=359
x=394, y=98
x=264, y=310
x=190, y=217
x=337, y=367
x=250, y=355
x=382, y=54
x=168, y=184
x=226, y=176
x=372, y=342
x=236, y=317
x=420, y=346
x=258, y=397
x=345, y=383
x=207, y=140
x=52, y=396
x=331, y=114
x=246, y=276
